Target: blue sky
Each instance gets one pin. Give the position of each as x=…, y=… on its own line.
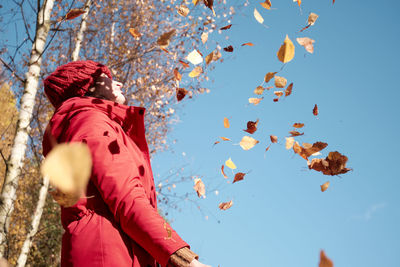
x=279, y=216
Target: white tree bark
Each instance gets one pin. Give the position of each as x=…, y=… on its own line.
x=15, y=161
x=82, y=29
x=23, y=256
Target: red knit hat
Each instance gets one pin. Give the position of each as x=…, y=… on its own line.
x=72, y=79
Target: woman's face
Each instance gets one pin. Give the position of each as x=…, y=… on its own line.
x=108, y=89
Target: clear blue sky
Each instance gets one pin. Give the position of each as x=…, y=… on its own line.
x=279, y=216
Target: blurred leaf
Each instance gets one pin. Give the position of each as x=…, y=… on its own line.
x=225, y=205
x=229, y=163
x=248, y=142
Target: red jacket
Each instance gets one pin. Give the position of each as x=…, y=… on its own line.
x=117, y=224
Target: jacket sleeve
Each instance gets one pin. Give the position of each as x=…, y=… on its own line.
x=116, y=176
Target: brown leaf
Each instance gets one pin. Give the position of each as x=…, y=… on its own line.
x=181, y=93
x=266, y=4
x=164, y=38
x=199, y=187
x=267, y=148
x=223, y=172
x=225, y=205
x=280, y=82
x=269, y=76
x=315, y=110
x=209, y=58
x=184, y=64
x=183, y=10
x=251, y=126
x=259, y=90
x=309, y=149
x=310, y=20
x=216, y=142
x=333, y=164
x=238, y=177
x=274, y=138
x=278, y=93
x=325, y=186
x=227, y=27
x=177, y=75
x=276, y=99
x=288, y=90
x=209, y=4
x=286, y=51
x=74, y=13
x=249, y=44
x=298, y=125
x=228, y=48
x=134, y=33
x=226, y=123
x=295, y=133
x=324, y=261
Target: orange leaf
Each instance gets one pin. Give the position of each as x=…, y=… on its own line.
x=295, y=133
x=269, y=76
x=238, y=177
x=324, y=186
x=74, y=13
x=225, y=139
x=298, y=125
x=251, y=126
x=324, y=260
x=177, y=75
x=266, y=4
x=249, y=44
x=184, y=64
x=267, y=148
x=280, y=82
x=226, y=123
x=223, y=173
x=134, y=33
x=181, y=93
x=225, y=205
x=286, y=51
x=259, y=90
x=288, y=90
x=274, y=138
x=278, y=93
x=315, y=110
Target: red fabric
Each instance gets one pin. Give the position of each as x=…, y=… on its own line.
x=118, y=223
x=72, y=79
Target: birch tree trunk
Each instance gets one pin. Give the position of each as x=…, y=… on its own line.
x=82, y=29
x=15, y=161
x=23, y=256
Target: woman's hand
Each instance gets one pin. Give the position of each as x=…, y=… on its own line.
x=196, y=263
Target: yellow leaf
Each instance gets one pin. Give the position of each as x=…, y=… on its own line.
x=196, y=72
x=195, y=2
x=248, y=142
x=258, y=16
x=289, y=142
x=229, y=163
x=194, y=57
x=266, y=4
x=269, y=76
x=280, y=82
x=324, y=186
x=226, y=123
x=286, y=51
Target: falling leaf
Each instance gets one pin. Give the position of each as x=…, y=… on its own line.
x=324, y=260
x=195, y=2
x=324, y=186
x=249, y=44
x=308, y=149
x=295, y=133
x=164, y=39
x=238, y=177
x=217, y=55
x=225, y=205
x=286, y=51
x=310, y=20
x=227, y=27
x=255, y=101
x=280, y=82
x=209, y=4
x=228, y=48
x=204, y=37
x=289, y=142
x=194, y=57
x=307, y=43
x=315, y=110
x=269, y=76
x=196, y=72
x=251, y=126
x=298, y=125
x=259, y=90
x=225, y=139
x=223, y=173
x=177, y=75
x=266, y=4
x=298, y=2
x=248, y=142
x=74, y=13
x=184, y=64
x=333, y=1
x=199, y=187
x=226, y=123
x=229, y=163
x=267, y=148
x=258, y=16
x=216, y=142
x=278, y=93
x=183, y=10
x=68, y=167
x=274, y=138
x=209, y=58
x=288, y=90
x=134, y=33
x=333, y=164
x=181, y=93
